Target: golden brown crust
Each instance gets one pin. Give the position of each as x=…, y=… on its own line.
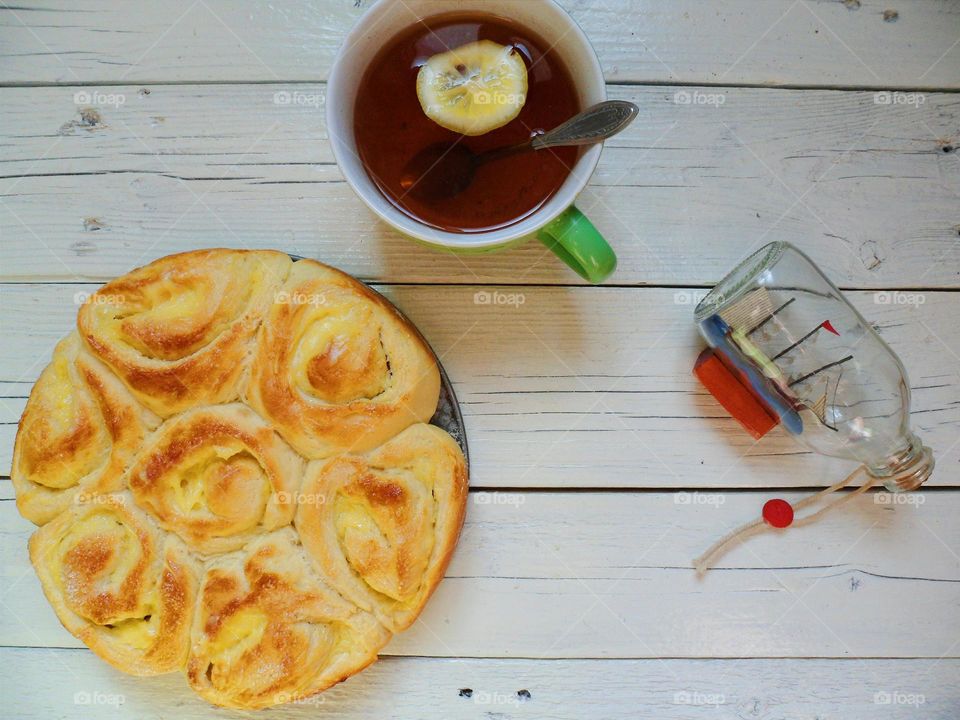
x=382, y=526
x=268, y=630
x=177, y=331
x=217, y=477
x=77, y=435
x=123, y=587
x=169, y=504
x=336, y=369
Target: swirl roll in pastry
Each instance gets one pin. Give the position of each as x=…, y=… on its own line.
x=230, y=458
x=119, y=584
x=336, y=368
x=382, y=526
x=78, y=433
x=177, y=331
x=217, y=477
x=268, y=629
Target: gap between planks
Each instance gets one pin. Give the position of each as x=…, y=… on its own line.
x=610, y=84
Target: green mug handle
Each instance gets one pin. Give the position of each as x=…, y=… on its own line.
x=574, y=239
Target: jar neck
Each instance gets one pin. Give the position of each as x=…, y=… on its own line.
x=907, y=469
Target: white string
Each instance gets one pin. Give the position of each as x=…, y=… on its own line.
x=724, y=544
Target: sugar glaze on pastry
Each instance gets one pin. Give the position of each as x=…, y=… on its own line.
x=233, y=476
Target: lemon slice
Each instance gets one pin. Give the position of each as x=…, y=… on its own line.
x=473, y=89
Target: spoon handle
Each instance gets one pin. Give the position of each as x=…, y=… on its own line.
x=593, y=125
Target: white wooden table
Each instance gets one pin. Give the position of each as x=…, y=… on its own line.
x=600, y=468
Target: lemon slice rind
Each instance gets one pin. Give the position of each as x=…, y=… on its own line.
x=473, y=89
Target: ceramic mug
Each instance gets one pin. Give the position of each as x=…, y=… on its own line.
x=558, y=223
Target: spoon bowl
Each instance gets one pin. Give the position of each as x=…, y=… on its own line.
x=442, y=171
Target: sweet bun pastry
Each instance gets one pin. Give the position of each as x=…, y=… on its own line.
x=217, y=477
x=229, y=463
x=177, y=331
x=336, y=368
x=383, y=525
x=119, y=584
x=78, y=433
x=268, y=630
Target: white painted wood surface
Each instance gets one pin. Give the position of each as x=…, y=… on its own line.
x=685, y=192
x=488, y=689
x=582, y=387
x=160, y=133
x=608, y=575
x=728, y=42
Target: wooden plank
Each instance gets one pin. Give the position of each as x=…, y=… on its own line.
x=814, y=42
x=488, y=688
x=91, y=187
x=582, y=387
x=555, y=575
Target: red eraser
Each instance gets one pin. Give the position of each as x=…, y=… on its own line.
x=736, y=399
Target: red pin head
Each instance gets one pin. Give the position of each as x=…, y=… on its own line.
x=778, y=513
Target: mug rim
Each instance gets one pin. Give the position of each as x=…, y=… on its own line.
x=381, y=206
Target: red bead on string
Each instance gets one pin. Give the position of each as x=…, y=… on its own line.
x=778, y=513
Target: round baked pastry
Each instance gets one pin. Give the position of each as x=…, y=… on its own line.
x=233, y=476
x=178, y=331
x=78, y=433
x=336, y=368
x=269, y=630
x=383, y=525
x=217, y=477
x=124, y=587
